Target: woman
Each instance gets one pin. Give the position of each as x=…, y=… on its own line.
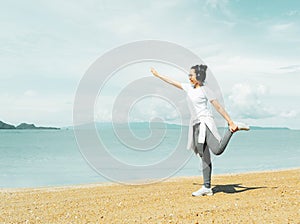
x=203, y=133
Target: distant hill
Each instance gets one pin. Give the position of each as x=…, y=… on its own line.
x=6, y=126
x=23, y=126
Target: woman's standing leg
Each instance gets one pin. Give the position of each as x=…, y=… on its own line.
x=202, y=151
x=206, y=164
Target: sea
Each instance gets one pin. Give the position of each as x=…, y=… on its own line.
x=45, y=158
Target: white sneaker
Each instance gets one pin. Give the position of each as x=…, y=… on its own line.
x=242, y=126
x=203, y=191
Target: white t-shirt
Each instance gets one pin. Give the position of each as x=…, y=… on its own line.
x=200, y=112
x=198, y=99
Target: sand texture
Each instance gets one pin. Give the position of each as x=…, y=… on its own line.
x=263, y=197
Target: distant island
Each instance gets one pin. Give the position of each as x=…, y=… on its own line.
x=23, y=126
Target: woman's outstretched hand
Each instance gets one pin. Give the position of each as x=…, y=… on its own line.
x=233, y=127
x=154, y=72
x=166, y=79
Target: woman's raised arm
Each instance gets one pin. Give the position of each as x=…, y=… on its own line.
x=166, y=79
x=232, y=126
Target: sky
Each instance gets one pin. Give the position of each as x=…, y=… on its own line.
x=252, y=48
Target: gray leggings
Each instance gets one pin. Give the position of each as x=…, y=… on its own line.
x=214, y=145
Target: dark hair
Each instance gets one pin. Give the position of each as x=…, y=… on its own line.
x=200, y=72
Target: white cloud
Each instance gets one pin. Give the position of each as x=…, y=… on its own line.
x=30, y=93
x=285, y=32
x=35, y=108
x=292, y=13
x=255, y=105
x=217, y=3
x=245, y=101
x=136, y=106
x=152, y=107
x=282, y=27
x=220, y=7
x=143, y=110
x=289, y=114
x=290, y=68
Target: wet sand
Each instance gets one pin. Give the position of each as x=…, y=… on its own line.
x=263, y=197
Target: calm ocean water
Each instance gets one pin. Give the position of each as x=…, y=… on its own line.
x=35, y=158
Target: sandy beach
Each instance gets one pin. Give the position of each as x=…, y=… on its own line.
x=262, y=197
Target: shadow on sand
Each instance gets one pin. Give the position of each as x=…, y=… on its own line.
x=232, y=188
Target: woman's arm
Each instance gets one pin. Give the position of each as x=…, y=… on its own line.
x=232, y=126
x=166, y=79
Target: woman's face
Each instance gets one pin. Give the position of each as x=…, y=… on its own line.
x=192, y=77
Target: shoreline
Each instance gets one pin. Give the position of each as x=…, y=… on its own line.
x=105, y=184
x=260, y=197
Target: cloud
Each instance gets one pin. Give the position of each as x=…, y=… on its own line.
x=152, y=108
x=251, y=103
x=146, y=109
x=32, y=107
x=282, y=27
x=290, y=68
x=292, y=13
x=289, y=114
x=216, y=3
x=141, y=100
x=30, y=93
x=285, y=32
x=245, y=101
